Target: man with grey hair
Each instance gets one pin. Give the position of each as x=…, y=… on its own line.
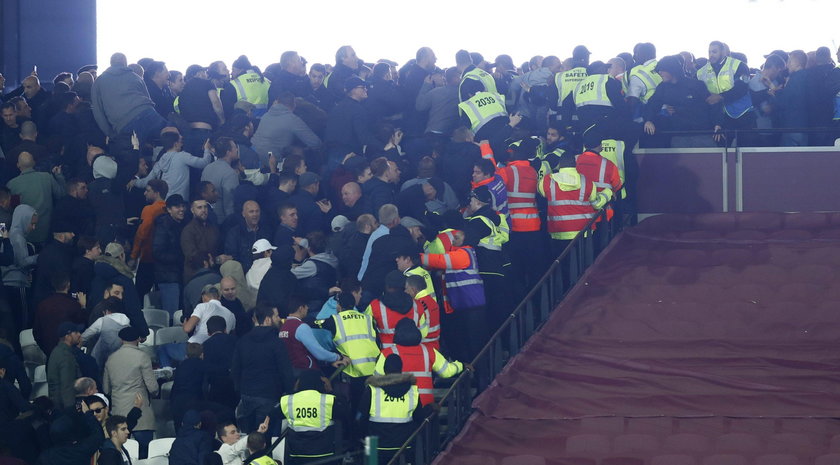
x=389, y=216
x=290, y=77
x=121, y=103
x=346, y=65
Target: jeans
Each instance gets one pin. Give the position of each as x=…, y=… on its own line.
x=174, y=351
x=170, y=296
x=147, y=125
x=251, y=411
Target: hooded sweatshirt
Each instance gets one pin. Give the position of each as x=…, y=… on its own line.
x=191, y=443
x=261, y=366
x=16, y=274
x=117, y=97
x=174, y=168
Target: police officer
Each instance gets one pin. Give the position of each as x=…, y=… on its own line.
x=311, y=413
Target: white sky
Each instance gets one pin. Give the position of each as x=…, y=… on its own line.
x=183, y=32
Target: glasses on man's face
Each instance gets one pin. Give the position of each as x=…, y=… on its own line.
x=98, y=410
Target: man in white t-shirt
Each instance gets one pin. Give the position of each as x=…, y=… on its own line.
x=234, y=449
x=209, y=306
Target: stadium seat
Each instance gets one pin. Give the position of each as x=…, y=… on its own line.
x=166, y=389
x=156, y=318
x=160, y=447
x=39, y=382
x=777, y=459
x=673, y=460
x=133, y=448
x=170, y=335
x=32, y=354
x=725, y=459
x=635, y=444
x=176, y=317
x=752, y=425
x=744, y=443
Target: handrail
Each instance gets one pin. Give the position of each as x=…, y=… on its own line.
x=498, y=334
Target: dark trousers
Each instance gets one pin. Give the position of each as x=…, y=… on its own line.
x=145, y=279
x=526, y=250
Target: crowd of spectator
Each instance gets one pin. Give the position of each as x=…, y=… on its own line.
x=266, y=213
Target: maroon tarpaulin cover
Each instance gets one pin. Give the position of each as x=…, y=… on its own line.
x=703, y=339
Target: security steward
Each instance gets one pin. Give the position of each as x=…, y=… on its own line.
x=572, y=201
x=463, y=293
x=597, y=98
x=311, y=412
x=249, y=84
x=590, y=164
x=524, y=247
x=355, y=338
x=487, y=231
x=469, y=72
x=566, y=82
x=418, y=360
x=394, y=306
x=485, y=114
x=391, y=408
x=724, y=78
x=256, y=444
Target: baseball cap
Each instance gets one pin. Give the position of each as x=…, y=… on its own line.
x=580, y=52
x=352, y=82
x=114, y=249
x=67, y=327
x=261, y=246
x=482, y=193
x=339, y=222
x=307, y=179
x=174, y=200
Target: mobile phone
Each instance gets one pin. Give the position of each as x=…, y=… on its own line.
x=2, y=228
x=35, y=68
x=74, y=295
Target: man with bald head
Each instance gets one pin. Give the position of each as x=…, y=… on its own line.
x=414, y=120
x=39, y=190
x=248, y=230
x=36, y=96
x=121, y=103
x=27, y=143
x=351, y=204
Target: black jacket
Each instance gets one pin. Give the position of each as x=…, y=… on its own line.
x=218, y=356
x=455, y=166
x=339, y=74
x=310, y=216
x=56, y=257
x=76, y=212
x=191, y=444
x=382, y=256
x=376, y=193
x=104, y=273
x=166, y=248
x=261, y=366
x=76, y=437
x=278, y=283
x=348, y=128
x=384, y=99
x=239, y=241
x=106, y=198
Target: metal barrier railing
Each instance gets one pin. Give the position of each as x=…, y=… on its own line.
x=438, y=429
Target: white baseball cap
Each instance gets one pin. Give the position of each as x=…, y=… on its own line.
x=261, y=246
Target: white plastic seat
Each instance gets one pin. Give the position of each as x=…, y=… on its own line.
x=133, y=448
x=160, y=447
x=156, y=318
x=170, y=335
x=176, y=317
